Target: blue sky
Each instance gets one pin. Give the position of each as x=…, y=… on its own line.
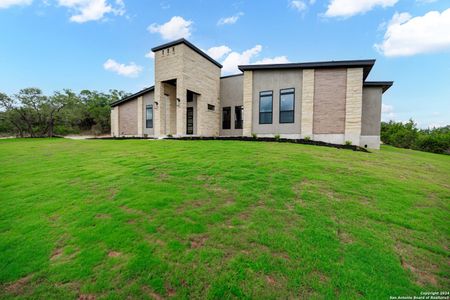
x=105, y=44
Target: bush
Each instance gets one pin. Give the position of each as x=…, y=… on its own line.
x=407, y=135
x=277, y=137
x=254, y=136
x=348, y=143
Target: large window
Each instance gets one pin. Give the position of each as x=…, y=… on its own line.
x=287, y=99
x=238, y=117
x=265, y=107
x=226, y=118
x=149, y=116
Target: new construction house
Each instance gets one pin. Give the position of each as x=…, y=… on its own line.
x=325, y=101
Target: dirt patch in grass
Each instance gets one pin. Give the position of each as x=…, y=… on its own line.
x=133, y=211
x=103, y=216
x=86, y=297
x=198, y=241
x=151, y=294
x=112, y=193
x=421, y=269
x=114, y=254
x=344, y=237
x=18, y=286
x=270, y=280
x=56, y=254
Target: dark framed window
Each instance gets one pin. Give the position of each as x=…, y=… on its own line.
x=265, y=107
x=149, y=116
x=226, y=118
x=287, y=105
x=238, y=110
x=211, y=107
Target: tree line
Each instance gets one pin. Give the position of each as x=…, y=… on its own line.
x=407, y=135
x=30, y=113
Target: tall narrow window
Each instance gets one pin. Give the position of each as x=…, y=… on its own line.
x=149, y=116
x=265, y=107
x=226, y=118
x=287, y=99
x=238, y=117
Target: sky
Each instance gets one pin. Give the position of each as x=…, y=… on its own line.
x=105, y=44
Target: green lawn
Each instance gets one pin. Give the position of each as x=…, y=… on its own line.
x=220, y=219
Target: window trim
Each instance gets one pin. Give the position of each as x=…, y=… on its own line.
x=146, y=120
x=259, y=108
x=229, y=115
x=293, y=106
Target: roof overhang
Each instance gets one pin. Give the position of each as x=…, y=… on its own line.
x=190, y=45
x=133, y=96
x=366, y=64
x=385, y=85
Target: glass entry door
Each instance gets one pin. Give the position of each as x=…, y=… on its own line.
x=190, y=120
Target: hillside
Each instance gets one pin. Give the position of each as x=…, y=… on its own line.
x=220, y=219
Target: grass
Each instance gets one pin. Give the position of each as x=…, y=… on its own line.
x=220, y=220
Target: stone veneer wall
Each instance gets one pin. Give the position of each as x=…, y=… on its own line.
x=248, y=103
x=307, y=103
x=115, y=121
x=353, y=105
x=192, y=72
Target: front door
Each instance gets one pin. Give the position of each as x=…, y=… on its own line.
x=190, y=120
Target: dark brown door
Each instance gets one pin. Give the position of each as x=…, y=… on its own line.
x=190, y=120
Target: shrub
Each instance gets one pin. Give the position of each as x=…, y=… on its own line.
x=254, y=136
x=277, y=137
x=348, y=143
x=407, y=135
x=307, y=138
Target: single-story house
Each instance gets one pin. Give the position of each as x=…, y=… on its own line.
x=326, y=101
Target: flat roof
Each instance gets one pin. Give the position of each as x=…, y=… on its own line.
x=366, y=64
x=383, y=84
x=131, y=97
x=190, y=45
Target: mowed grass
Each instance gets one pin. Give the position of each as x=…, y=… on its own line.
x=220, y=220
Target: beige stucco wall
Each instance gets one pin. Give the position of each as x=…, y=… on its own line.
x=128, y=118
x=330, y=86
x=231, y=95
x=275, y=80
x=371, y=111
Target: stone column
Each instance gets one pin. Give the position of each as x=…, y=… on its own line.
x=140, y=116
x=115, y=121
x=181, y=107
x=307, y=103
x=353, y=105
x=248, y=103
x=158, y=116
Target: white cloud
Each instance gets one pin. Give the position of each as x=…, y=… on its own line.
x=348, y=8
x=387, y=112
x=8, y=3
x=218, y=52
x=150, y=55
x=407, y=36
x=131, y=70
x=234, y=59
x=298, y=5
x=92, y=10
x=174, y=29
x=230, y=20
x=275, y=60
